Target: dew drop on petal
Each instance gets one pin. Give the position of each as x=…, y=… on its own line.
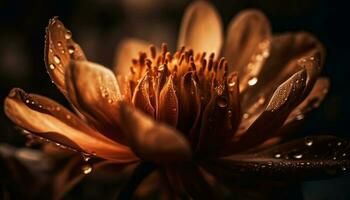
x=252, y=81
x=86, y=169
x=52, y=66
x=344, y=154
x=57, y=59
x=309, y=142
x=339, y=143
x=160, y=68
x=245, y=116
x=59, y=44
x=70, y=50
x=68, y=35
x=300, y=116
x=232, y=83
x=343, y=169
x=86, y=157
x=278, y=155
x=298, y=156
x=222, y=102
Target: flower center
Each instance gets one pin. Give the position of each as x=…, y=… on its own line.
x=175, y=88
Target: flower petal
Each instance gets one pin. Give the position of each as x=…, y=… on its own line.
x=304, y=159
x=50, y=120
x=254, y=100
x=220, y=117
x=141, y=97
x=127, y=50
x=201, y=28
x=60, y=49
x=189, y=106
x=168, y=104
x=94, y=90
x=153, y=141
x=283, y=101
x=247, y=45
x=288, y=54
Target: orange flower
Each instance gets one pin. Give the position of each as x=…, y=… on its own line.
x=193, y=110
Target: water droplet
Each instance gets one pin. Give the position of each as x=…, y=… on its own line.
x=229, y=112
x=334, y=158
x=27, y=101
x=160, y=68
x=339, y=143
x=57, y=59
x=343, y=169
x=86, y=157
x=278, y=155
x=300, y=116
x=68, y=35
x=222, y=102
x=59, y=44
x=50, y=50
x=344, y=154
x=52, y=66
x=68, y=116
x=252, y=81
x=232, y=84
x=298, y=156
x=309, y=142
x=245, y=116
x=70, y=50
x=110, y=101
x=87, y=169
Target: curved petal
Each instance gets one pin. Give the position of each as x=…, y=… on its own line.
x=153, y=141
x=94, y=90
x=247, y=45
x=220, y=117
x=283, y=101
x=60, y=49
x=127, y=50
x=255, y=99
x=288, y=54
x=168, y=104
x=141, y=97
x=189, y=107
x=309, y=158
x=52, y=121
x=201, y=28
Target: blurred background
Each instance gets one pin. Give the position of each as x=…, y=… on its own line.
x=99, y=25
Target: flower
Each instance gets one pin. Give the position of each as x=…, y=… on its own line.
x=192, y=112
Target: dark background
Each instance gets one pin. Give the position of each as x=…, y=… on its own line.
x=98, y=26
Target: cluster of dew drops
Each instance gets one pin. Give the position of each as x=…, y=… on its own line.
x=309, y=142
